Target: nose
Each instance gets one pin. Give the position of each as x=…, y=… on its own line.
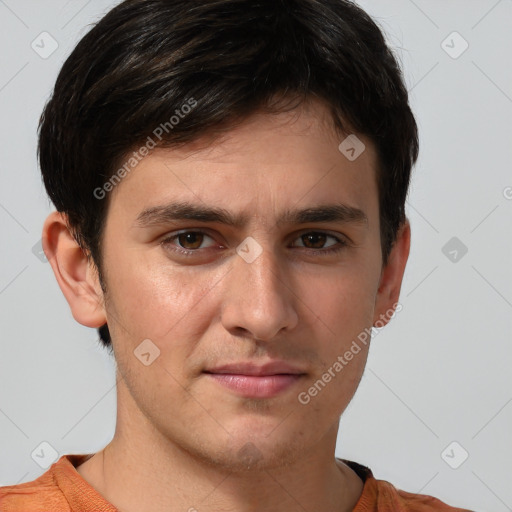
x=258, y=300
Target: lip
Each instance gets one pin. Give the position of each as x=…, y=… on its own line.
x=248, y=368
x=256, y=381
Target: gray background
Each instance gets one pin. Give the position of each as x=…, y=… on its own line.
x=439, y=373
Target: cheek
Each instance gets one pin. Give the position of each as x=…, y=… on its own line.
x=343, y=300
x=153, y=300
x=327, y=394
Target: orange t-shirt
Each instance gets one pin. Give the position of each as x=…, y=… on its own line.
x=62, y=489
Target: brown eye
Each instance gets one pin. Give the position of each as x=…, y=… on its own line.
x=321, y=243
x=314, y=240
x=190, y=240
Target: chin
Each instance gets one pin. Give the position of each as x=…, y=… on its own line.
x=258, y=449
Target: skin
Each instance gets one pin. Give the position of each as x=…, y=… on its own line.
x=179, y=434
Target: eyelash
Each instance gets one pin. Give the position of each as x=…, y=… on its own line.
x=167, y=243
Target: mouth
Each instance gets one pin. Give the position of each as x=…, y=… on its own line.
x=256, y=381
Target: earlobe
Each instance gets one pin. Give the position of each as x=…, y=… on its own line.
x=76, y=275
x=388, y=293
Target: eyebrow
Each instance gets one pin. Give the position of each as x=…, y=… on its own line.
x=178, y=211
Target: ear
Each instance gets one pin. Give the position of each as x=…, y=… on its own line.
x=76, y=275
x=392, y=274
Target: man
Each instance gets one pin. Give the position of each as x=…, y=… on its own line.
x=230, y=179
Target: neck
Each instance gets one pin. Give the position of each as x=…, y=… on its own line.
x=139, y=463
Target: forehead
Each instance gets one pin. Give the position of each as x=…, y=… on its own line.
x=267, y=161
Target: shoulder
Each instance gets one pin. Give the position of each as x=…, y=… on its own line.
x=41, y=494
x=60, y=489
x=382, y=496
x=408, y=502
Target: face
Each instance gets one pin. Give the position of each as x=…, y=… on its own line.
x=249, y=266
